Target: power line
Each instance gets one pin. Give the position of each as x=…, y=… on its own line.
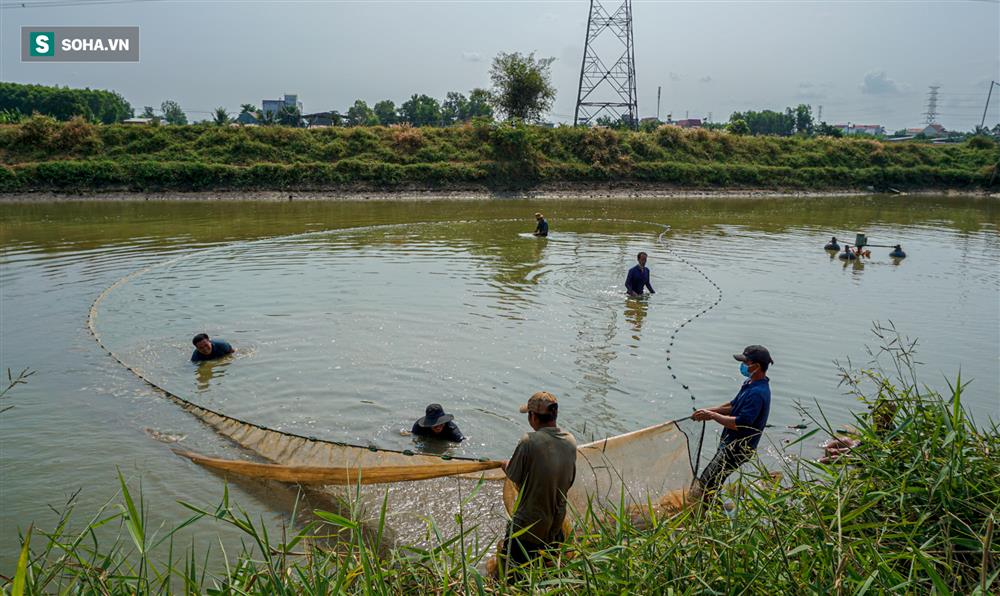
x=68, y=3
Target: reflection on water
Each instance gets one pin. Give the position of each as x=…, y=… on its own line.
x=635, y=311
x=207, y=370
x=348, y=334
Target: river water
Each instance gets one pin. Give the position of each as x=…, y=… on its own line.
x=350, y=317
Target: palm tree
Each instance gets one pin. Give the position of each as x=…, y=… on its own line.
x=221, y=116
x=248, y=108
x=289, y=116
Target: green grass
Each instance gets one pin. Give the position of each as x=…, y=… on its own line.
x=913, y=510
x=43, y=154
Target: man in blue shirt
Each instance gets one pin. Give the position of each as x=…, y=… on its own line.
x=542, y=228
x=208, y=349
x=744, y=419
x=638, y=278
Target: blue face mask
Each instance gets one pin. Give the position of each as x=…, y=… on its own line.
x=744, y=369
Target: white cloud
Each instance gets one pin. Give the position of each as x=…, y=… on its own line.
x=472, y=56
x=812, y=91
x=877, y=83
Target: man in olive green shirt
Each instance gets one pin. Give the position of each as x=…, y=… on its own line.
x=543, y=468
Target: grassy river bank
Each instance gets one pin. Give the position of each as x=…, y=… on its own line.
x=913, y=511
x=41, y=154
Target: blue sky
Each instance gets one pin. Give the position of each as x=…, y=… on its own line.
x=863, y=61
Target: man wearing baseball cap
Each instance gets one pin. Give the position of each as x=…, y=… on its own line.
x=543, y=468
x=743, y=420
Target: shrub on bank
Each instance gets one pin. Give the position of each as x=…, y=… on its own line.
x=497, y=155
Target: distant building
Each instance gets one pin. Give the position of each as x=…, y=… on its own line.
x=933, y=131
x=688, y=123
x=273, y=106
x=138, y=121
x=246, y=119
x=323, y=119
x=861, y=129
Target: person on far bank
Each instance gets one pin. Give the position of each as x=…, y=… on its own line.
x=638, y=278
x=743, y=420
x=435, y=424
x=543, y=467
x=542, y=227
x=209, y=349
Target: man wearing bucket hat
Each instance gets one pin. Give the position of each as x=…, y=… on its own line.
x=543, y=468
x=743, y=420
x=542, y=227
x=435, y=424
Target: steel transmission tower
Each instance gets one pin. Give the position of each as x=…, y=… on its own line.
x=608, y=88
x=932, y=97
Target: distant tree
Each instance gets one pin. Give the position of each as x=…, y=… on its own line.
x=385, y=111
x=767, y=122
x=421, y=110
x=220, y=116
x=825, y=130
x=361, y=115
x=267, y=118
x=803, y=119
x=147, y=112
x=173, y=113
x=455, y=108
x=479, y=104
x=63, y=103
x=522, y=86
x=248, y=108
x=622, y=122
x=289, y=116
x=738, y=126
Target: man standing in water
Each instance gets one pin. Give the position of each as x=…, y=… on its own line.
x=542, y=228
x=208, y=349
x=744, y=419
x=435, y=424
x=638, y=278
x=543, y=468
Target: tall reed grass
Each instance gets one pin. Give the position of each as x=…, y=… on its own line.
x=911, y=510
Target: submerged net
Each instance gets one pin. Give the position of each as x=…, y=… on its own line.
x=649, y=470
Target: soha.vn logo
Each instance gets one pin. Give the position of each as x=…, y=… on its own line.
x=43, y=43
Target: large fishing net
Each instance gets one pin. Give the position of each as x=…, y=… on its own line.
x=648, y=471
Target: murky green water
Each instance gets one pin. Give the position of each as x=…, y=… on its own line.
x=350, y=317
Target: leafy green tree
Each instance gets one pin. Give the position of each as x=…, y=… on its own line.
x=479, y=104
x=220, y=117
x=825, y=130
x=63, y=103
x=455, y=108
x=289, y=116
x=803, y=119
x=248, y=108
x=738, y=126
x=767, y=122
x=421, y=110
x=522, y=86
x=147, y=112
x=173, y=113
x=385, y=111
x=361, y=115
